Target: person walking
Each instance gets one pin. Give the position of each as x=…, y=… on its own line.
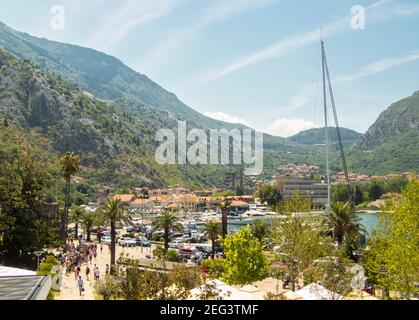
x=101, y=248
x=97, y=274
x=107, y=270
x=87, y=273
x=80, y=285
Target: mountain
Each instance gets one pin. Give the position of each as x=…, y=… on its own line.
x=400, y=118
x=116, y=147
x=116, y=88
x=391, y=143
x=317, y=136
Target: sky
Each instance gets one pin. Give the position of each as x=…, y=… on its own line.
x=252, y=62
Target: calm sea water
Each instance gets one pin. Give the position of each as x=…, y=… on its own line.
x=368, y=220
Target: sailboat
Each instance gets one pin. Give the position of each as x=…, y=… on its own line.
x=328, y=87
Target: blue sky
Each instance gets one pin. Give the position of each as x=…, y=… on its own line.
x=256, y=62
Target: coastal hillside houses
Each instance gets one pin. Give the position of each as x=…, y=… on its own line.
x=174, y=201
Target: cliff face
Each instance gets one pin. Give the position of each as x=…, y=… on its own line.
x=399, y=119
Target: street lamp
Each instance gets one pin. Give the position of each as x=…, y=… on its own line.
x=38, y=254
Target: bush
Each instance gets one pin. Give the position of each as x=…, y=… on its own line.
x=172, y=255
x=107, y=288
x=156, y=237
x=215, y=267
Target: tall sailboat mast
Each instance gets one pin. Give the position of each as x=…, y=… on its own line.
x=326, y=126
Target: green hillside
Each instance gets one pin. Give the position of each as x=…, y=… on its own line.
x=317, y=136
x=391, y=143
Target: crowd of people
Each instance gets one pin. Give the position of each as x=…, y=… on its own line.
x=80, y=255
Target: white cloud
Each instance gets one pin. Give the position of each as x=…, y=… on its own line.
x=284, y=127
x=287, y=45
x=380, y=66
x=225, y=117
x=164, y=51
x=131, y=14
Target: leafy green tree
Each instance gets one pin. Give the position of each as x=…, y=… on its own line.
x=269, y=194
x=212, y=230
x=297, y=245
x=245, y=261
x=342, y=221
x=70, y=164
x=113, y=212
x=167, y=221
x=23, y=227
x=396, y=184
x=259, y=230
x=375, y=190
x=359, y=195
x=392, y=261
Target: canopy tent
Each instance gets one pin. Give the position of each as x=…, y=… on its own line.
x=313, y=291
x=231, y=293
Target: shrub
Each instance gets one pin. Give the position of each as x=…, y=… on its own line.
x=215, y=267
x=172, y=255
x=156, y=237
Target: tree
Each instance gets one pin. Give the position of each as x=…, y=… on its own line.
x=70, y=164
x=23, y=227
x=359, y=195
x=167, y=221
x=269, y=194
x=375, y=190
x=113, y=212
x=396, y=184
x=75, y=217
x=392, y=261
x=245, y=261
x=212, y=230
x=88, y=219
x=259, y=230
x=341, y=193
x=224, y=219
x=343, y=221
x=149, y=284
x=298, y=245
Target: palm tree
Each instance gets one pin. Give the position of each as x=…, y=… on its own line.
x=112, y=212
x=259, y=230
x=167, y=221
x=212, y=230
x=342, y=221
x=224, y=224
x=88, y=219
x=76, y=213
x=70, y=164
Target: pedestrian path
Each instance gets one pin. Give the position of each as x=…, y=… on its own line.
x=69, y=288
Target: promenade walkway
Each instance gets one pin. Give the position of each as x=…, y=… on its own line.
x=69, y=289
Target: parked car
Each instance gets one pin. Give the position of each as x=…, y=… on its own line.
x=176, y=235
x=204, y=250
x=145, y=243
x=184, y=238
x=127, y=242
x=186, y=252
x=106, y=240
x=176, y=245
